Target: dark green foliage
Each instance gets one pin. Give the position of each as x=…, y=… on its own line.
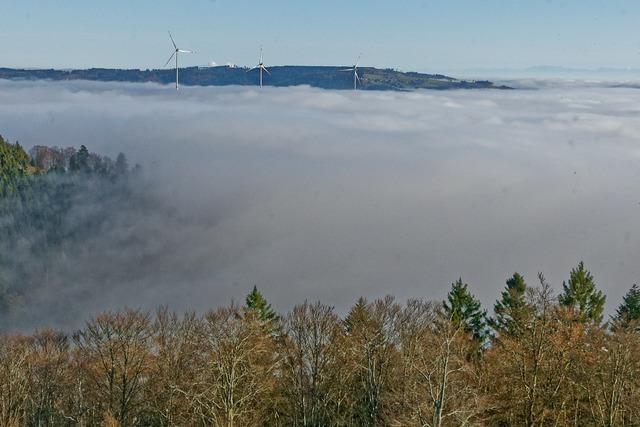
x=629, y=311
x=14, y=165
x=512, y=308
x=580, y=293
x=80, y=161
x=256, y=301
x=464, y=309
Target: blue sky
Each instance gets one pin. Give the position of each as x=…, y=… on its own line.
x=425, y=35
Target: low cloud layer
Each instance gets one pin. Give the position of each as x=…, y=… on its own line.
x=314, y=194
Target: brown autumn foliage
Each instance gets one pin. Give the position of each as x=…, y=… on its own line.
x=382, y=364
x=113, y=361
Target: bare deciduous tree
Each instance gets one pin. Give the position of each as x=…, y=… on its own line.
x=440, y=383
x=372, y=348
x=178, y=356
x=113, y=354
x=235, y=376
x=310, y=374
x=14, y=383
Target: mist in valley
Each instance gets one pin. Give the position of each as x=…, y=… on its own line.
x=332, y=195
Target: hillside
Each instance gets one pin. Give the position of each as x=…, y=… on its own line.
x=53, y=202
x=324, y=77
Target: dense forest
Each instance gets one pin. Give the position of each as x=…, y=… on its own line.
x=325, y=77
x=536, y=359
x=52, y=202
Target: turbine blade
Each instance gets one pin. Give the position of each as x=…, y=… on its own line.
x=357, y=61
x=347, y=69
x=186, y=51
x=174, y=43
x=169, y=60
x=265, y=68
x=251, y=69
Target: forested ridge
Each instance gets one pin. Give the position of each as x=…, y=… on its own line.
x=51, y=202
x=538, y=357
x=326, y=77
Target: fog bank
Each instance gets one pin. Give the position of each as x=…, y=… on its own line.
x=313, y=194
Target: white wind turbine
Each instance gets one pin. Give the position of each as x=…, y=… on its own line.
x=261, y=67
x=176, y=53
x=354, y=69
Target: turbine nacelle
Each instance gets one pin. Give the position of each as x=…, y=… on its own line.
x=175, y=55
x=354, y=70
x=260, y=67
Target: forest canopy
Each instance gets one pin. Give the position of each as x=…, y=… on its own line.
x=421, y=363
x=536, y=359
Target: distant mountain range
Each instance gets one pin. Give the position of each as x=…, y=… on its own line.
x=326, y=77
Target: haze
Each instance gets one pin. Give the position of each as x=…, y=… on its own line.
x=313, y=194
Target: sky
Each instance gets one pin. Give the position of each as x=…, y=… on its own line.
x=332, y=195
x=420, y=35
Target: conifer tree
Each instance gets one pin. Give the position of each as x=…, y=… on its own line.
x=580, y=293
x=79, y=162
x=13, y=167
x=256, y=301
x=122, y=166
x=358, y=314
x=629, y=310
x=512, y=307
x=465, y=310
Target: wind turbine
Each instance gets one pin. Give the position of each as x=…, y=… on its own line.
x=354, y=69
x=261, y=67
x=176, y=53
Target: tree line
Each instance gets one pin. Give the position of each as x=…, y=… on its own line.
x=537, y=360
x=327, y=77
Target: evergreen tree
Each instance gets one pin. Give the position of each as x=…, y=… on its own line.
x=629, y=310
x=14, y=163
x=512, y=307
x=255, y=301
x=122, y=166
x=358, y=314
x=79, y=162
x=580, y=293
x=465, y=310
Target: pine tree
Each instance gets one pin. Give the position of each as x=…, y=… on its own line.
x=255, y=301
x=14, y=163
x=79, y=162
x=122, y=166
x=629, y=311
x=358, y=314
x=465, y=310
x=512, y=308
x=580, y=293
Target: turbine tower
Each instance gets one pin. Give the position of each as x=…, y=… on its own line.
x=176, y=53
x=354, y=69
x=261, y=67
